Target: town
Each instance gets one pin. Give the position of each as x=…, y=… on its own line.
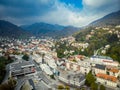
x=35, y=65
x=59, y=44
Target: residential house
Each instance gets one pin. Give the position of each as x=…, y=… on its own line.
x=70, y=65
x=99, y=69
x=106, y=80
x=114, y=72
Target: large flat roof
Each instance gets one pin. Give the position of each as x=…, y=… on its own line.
x=21, y=64
x=98, y=66
x=102, y=57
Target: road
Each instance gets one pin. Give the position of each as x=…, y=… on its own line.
x=42, y=86
x=20, y=82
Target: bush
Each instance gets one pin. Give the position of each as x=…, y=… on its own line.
x=60, y=87
x=25, y=57
x=10, y=85
x=94, y=86
x=67, y=87
x=52, y=76
x=102, y=87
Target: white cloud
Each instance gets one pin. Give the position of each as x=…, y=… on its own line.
x=95, y=3
x=99, y=3
x=64, y=15
x=57, y=12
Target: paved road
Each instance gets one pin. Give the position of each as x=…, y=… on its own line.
x=20, y=82
x=42, y=86
x=41, y=74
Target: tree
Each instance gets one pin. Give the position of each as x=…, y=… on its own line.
x=67, y=87
x=52, y=76
x=94, y=86
x=10, y=85
x=89, y=79
x=3, y=62
x=25, y=57
x=12, y=82
x=60, y=87
x=102, y=87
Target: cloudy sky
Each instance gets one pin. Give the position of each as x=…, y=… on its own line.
x=64, y=12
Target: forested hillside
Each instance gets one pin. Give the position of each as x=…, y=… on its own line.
x=107, y=39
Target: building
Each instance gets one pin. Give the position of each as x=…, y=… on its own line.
x=85, y=67
x=101, y=59
x=81, y=66
x=114, y=72
x=37, y=58
x=106, y=79
x=73, y=79
x=99, y=69
x=104, y=60
x=70, y=65
x=46, y=69
x=22, y=67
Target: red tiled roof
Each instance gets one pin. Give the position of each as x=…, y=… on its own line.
x=114, y=70
x=107, y=77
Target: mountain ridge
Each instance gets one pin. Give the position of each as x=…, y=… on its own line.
x=7, y=29
x=109, y=19
x=52, y=30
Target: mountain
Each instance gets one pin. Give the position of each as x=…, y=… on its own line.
x=107, y=34
x=110, y=19
x=101, y=38
x=45, y=29
x=10, y=30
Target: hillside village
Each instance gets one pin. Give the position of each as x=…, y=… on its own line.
x=59, y=45
x=61, y=63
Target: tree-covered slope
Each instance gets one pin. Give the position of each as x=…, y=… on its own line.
x=101, y=37
x=45, y=29
x=10, y=30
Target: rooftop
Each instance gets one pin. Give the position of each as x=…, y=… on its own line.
x=114, y=70
x=102, y=57
x=98, y=66
x=107, y=77
x=21, y=64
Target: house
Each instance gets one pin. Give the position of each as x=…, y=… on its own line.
x=85, y=67
x=79, y=57
x=70, y=65
x=106, y=79
x=101, y=59
x=114, y=72
x=82, y=66
x=46, y=69
x=114, y=63
x=22, y=67
x=37, y=58
x=72, y=79
x=99, y=69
